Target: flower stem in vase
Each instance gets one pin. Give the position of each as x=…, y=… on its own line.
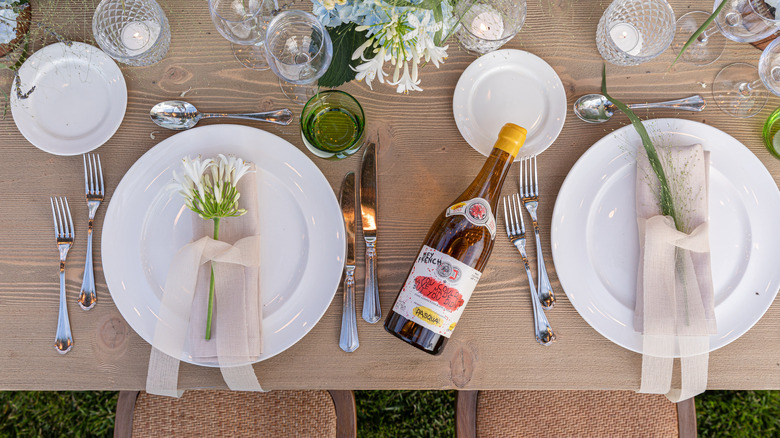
x=211, y=285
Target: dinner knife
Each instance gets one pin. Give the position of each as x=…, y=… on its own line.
x=372, y=310
x=348, y=341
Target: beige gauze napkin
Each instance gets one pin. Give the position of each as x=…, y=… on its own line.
x=236, y=336
x=675, y=309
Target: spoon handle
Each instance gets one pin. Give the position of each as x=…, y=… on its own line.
x=693, y=103
x=279, y=117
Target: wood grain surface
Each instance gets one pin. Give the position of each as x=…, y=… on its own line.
x=423, y=164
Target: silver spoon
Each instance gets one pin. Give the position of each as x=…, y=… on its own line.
x=595, y=108
x=179, y=115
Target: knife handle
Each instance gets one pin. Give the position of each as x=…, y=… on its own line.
x=348, y=341
x=372, y=310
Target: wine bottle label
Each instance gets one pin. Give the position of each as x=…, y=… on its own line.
x=478, y=212
x=436, y=291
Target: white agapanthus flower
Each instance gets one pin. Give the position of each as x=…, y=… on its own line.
x=209, y=188
x=372, y=68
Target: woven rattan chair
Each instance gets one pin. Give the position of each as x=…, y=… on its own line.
x=237, y=414
x=572, y=414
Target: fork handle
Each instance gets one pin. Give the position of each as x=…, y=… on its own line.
x=542, y=329
x=348, y=341
x=546, y=295
x=372, y=311
x=88, y=296
x=63, y=340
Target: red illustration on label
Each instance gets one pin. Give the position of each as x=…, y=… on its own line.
x=445, y=296
x=478, y=212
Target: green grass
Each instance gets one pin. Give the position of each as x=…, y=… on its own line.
x=410, y=414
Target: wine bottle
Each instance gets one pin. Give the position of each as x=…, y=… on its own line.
x=454, y=254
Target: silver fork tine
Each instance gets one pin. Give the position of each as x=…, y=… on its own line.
x=100, y=172
x=59, y=215
x=519, y=212
x=536, y=178
x=506, y=218
x=86, y=175
x=71, y=228
x=54, y=215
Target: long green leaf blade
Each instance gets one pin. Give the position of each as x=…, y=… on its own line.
x=699, y=31
x=667, y=205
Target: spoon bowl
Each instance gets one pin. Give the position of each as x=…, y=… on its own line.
x=179, y=115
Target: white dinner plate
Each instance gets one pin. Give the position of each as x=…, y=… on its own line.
x=509, y=86
x=595, y=241
x=78, y=102
x=302, y=232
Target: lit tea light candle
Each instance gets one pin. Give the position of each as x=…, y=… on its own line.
x=627, y=38
x=488, y=23
x=138, y=37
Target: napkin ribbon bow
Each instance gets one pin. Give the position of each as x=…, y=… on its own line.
x=171, y=332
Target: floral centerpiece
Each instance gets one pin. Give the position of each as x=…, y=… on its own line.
x=368, y=34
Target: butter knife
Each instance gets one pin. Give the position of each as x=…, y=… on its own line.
x=348, y=341
x=372, y=310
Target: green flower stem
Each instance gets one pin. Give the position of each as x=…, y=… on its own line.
x=667, y=206
x=211, y=285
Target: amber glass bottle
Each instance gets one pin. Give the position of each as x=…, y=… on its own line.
x=453, y=255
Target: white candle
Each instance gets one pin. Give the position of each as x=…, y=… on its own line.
x=488, y=23
x=627, y=38
x=138, y=37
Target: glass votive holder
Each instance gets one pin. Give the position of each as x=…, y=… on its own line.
x=486, y=25
x=333, y=125
x=770, y=133
x=134, y=32
x=634, y=31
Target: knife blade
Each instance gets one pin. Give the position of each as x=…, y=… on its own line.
x=348, y=340
x=372, y=310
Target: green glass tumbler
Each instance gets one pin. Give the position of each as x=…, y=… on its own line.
x=771, y=128
x=333, y=125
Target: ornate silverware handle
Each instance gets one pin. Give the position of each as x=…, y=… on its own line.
x=542, y=329
x=348, y=341
x=279, y=117
x=88, y=296
x=63, y=340
x=372, y=310
x=693, y=103
x=546, y=295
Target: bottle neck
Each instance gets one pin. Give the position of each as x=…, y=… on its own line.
x=490, y=180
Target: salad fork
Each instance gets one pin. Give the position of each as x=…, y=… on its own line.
x=529, y=190
x=93, y=186
x=515, y=230
x=64, y=233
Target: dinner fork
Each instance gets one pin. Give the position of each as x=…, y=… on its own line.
x=93, y=186
x=63, y=232
x=515, y=230
x=529, y=190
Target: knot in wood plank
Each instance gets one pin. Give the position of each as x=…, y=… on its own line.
x=176, y=75
x=462, y=365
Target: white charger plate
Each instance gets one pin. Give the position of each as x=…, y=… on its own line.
x=79, y=99
x=509, y=86
x=595, y=241
x=302, y=232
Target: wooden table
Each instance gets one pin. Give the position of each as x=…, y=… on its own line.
x=424, y=163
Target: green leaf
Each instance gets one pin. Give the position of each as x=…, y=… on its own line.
x=345, y=41
x=425, y=4
x=699, y=31
x=667, y=206
x=438, y=15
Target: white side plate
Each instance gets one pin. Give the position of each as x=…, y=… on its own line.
x=509, y=86
x=79, y=99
